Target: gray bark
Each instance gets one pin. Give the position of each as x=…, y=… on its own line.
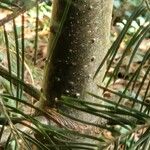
x=81, y=45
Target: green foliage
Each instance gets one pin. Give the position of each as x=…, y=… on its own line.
x=123, y=122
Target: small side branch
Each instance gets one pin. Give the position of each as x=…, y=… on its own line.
x=19, y=11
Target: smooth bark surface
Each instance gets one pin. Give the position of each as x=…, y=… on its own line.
x=76, y=48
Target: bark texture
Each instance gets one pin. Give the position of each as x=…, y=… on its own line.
x=76, y=48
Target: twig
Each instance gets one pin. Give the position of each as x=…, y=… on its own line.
x=16, y=13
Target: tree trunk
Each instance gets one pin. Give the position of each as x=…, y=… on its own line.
x=77, y=44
